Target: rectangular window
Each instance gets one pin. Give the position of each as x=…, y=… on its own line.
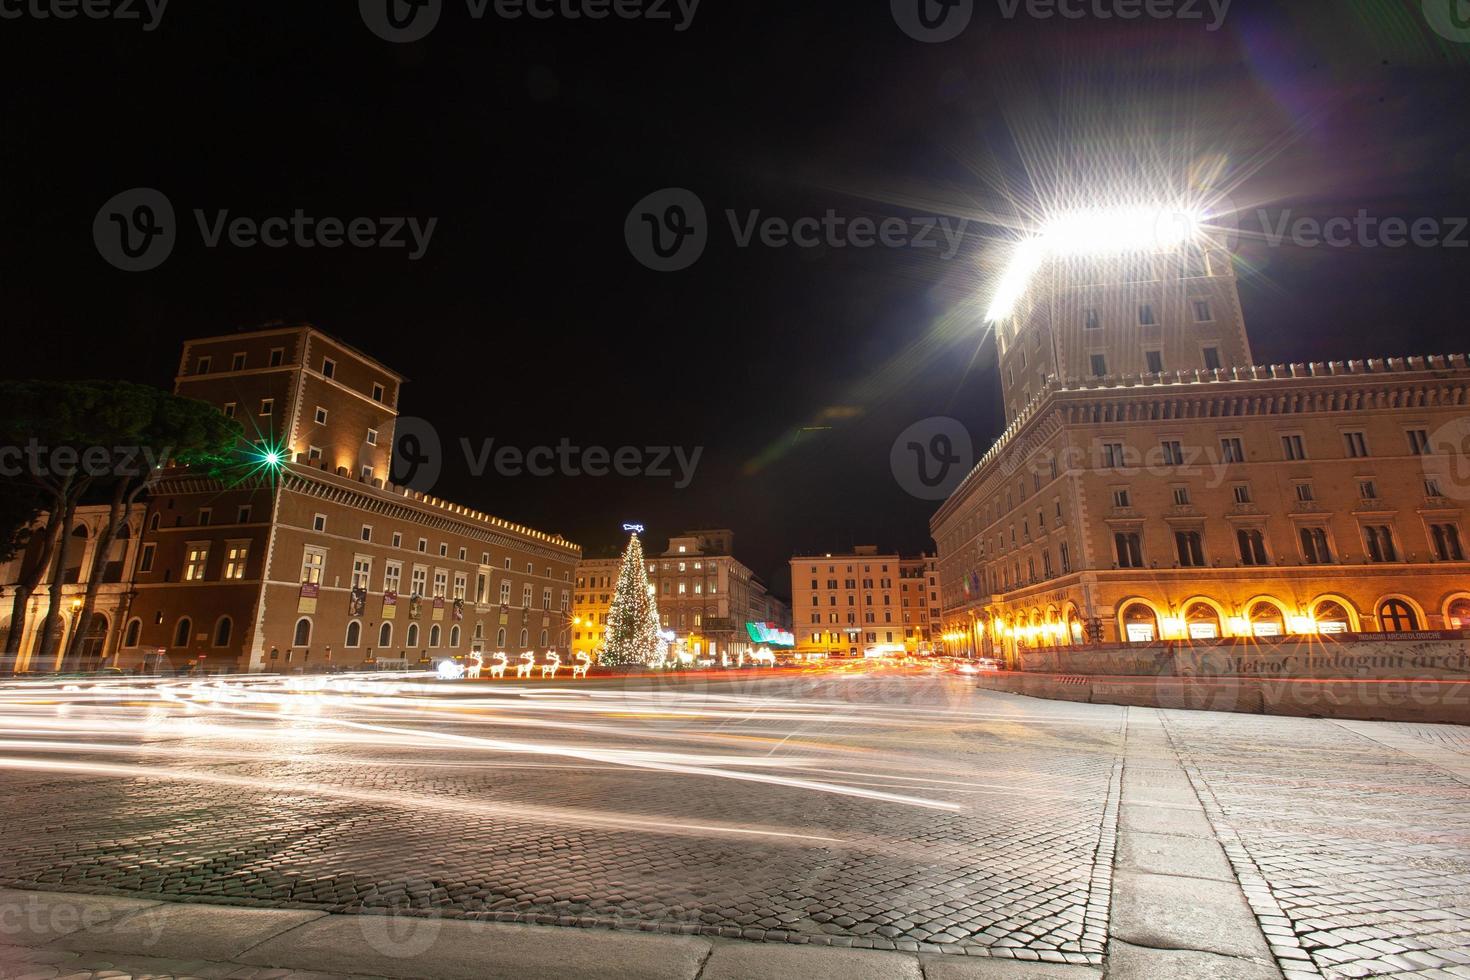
x=1099, y=365
x=205, y=513
x=423, y=545
x=235, y=558
x=1252, y=546
x=545, y=598
x=278, y=356
x=419, y=579
x=1293, y=448
x=1367, y=490
x=1181, y=496
x=237, y=361
x=195, y=559
x=1356, y=444
x=1431, y=488
x=1190, y=548
x=1379, y=541
x=329, y=368
x=1155, y=361
x=145, y=562
x=1173, y=452
x=1202, y=311
x=1066, y=556
x=1304, y=493
x=1446, y=539
x=379, y=393
x=203, y=365
x=505, y=593
x=441, y=583
x=321, y=415
x=1113, y=455
x=242, y=515
x=1419, y=443
x=313, y=565
x=1232, y=449
x=362, y=568
x=526, y=593
x=1122, y=498
x=1146, y=315
x=1314, y=546
x=319, y=522
x=461, y=584
x=367, y=532
x=1212, y=358
x=1091, y=320
x=314, y=453
x=267, y=406
x=1130, y=549
x=372, y=437
x=229, y=410
x=392, y=576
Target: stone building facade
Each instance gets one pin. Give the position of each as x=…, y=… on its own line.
x=313, y=557
x=847, y=605
x=1154, y=484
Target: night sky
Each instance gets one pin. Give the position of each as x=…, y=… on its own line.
x=528, y=320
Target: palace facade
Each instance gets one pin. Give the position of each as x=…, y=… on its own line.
x=317, y=558
x=1152, y=483
x=847, y=605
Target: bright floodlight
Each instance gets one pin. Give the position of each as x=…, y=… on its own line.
x=1093, y=232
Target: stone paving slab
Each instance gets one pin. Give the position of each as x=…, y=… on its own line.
x=740, y=962
x=187, y=931
x=988, y=968
x=1187, y=857
x=393, y=946
x=1129, y=962
x=31, y=918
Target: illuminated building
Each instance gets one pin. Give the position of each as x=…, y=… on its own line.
x=705, y=596
x=1152, y=483
x=319, y=559
x=845, y=605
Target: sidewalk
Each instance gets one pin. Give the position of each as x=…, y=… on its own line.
x=58, y=934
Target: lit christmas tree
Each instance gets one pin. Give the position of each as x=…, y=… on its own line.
x=632, y=619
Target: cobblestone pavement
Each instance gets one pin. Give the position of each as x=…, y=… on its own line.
x=1362, y=851
x=861, y=809
x=889, y=812
x=45, y=964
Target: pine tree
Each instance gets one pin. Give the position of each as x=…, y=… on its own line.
x=632, y=619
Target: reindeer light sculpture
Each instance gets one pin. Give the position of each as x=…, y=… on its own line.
x=550, y=668
x=477, y=664
x=763, y=657
x=528, y=660
x=583, y=665
x=497, y=669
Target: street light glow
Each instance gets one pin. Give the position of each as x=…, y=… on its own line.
x=1096, y=231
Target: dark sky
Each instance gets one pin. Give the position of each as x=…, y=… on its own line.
x=528, y=320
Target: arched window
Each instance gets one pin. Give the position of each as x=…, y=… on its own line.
x=354, y=634
x=135, y=631
x=480, y=630
x=413, y=634
x=1266, y=620
x=385, y=635
x=303, y=633
x=434, y=635
x=153, y=521
x=454, y=637
x=1397, y=616
x=1201, y=622
x=1457, y=616
x=500, y=638
x=182, y=632
x=222, y=630
x=1140, y=625
x=543, y=638
x=525, y=638
x=1332, y=617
